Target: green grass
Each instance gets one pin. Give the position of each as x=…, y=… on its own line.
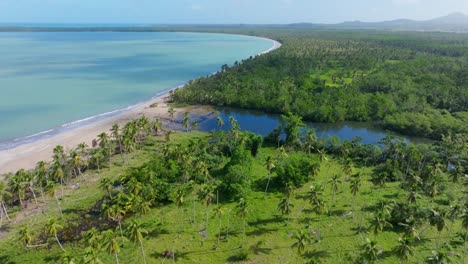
x=268, y=234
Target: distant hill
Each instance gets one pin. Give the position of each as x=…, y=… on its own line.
x=455, y=22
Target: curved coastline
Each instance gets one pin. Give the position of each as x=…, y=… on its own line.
x=25, y=152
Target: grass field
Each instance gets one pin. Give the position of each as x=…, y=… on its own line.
x=268, y=237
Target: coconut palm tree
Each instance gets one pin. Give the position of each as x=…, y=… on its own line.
x=404, y=249
x=52, y=192
x=4, y=194
x=219, y=213
x=91, y=256
x=437, y=218
x=355, y=185
x=370, y=250
x=270, y=165
x=106, y=184
x=135, y=233
x=110, y=244
x=52, y=228
x=285, y=207
x=334, y=181
x=115, y=212
x=380, y=222
x=242, y=208
x=207, y=195
x=301, y=241
x=25, y=235
x=17, y=185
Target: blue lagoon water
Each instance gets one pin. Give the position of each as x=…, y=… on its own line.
x=51, y=79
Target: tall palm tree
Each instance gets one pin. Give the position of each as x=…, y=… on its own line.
x=111, y=244
x=334, y=182
x=52, y=192
x=135, y=233
x=437, y=218
x=207, y=195
x=380, y=222
x=243, y=211
x=219, y=212
x=17, y=186
x=91, y=256
x=355, y=185
x=404, y=249
x=52, y=228
x=270, y=165
x=4, y=193
x=106, y=184
x=370, y=250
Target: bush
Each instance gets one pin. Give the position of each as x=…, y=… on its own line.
x=295, y=170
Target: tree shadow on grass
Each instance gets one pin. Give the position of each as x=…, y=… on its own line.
x=6, y=260
x=317, y=254
x=267, y=221
x=261, y=231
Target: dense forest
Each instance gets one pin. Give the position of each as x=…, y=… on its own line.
x=412, y=83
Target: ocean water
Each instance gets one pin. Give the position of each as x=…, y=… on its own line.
x=48, y=81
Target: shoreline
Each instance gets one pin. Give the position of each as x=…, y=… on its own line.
x=38, y=147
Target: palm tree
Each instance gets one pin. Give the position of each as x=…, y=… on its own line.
x=355, y=185
x=318, y=205
x=404, y=249
x=25, y=235
x=219, y=212
x=270, y=165
x=115, y=212
x=4, y=193
x=302, y=240
x=52, y=192
x=179, y=199
x=380, y=222
x=334, y=182
x=206, y=195
x=437, y=219
x=135, y=233
x=105, y=144
x=52, y=228
x=242, y=211
x=371, y=251
x=91, y=256
x=111, y=243
x=17, y=186
x=285, y=207
x=106, y=184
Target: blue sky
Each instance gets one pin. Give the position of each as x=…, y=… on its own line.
x=222, y=11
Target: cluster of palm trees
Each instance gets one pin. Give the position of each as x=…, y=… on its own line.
x=422, y=171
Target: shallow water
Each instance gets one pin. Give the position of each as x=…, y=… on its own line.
x=54, y=78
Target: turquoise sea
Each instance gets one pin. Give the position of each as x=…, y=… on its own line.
x=51, y=80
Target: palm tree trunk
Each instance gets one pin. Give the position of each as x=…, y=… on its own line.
x=81, y=174
x=58, y=242
x=117, y=258
x=227, y=228
x=58, y=204
x=243, y=231
x=219, y=233
x=34, y=194
x=268, y=183
x=21, y=201
x=6, y=212
x=143, y=252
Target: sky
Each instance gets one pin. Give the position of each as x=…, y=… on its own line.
x=222, y=11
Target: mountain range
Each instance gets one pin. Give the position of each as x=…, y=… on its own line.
x=455, y=22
